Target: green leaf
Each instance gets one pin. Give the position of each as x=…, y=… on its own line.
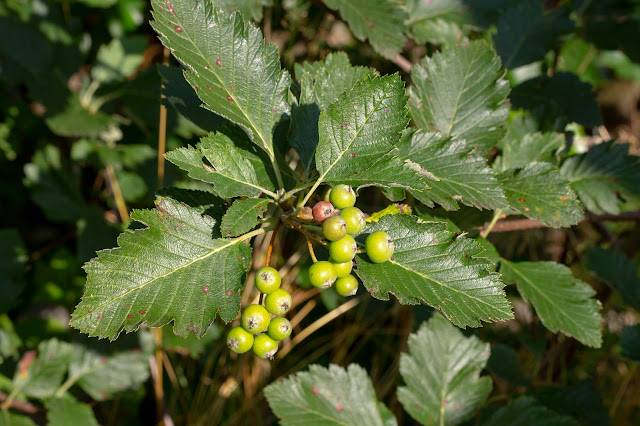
x=328, y=396
x=170, y=270
x=229, y=65
x=504, y=363
x=630, y=342
x=541, y=193
x=248, y=8
x=359, y=130
x=442, y=374
x=620, y=273
x=8, y=418
x=193, y=345
x=518, y=152
x=320, y=84
x=69, y=412
x=41, y=376
x=13, y=256
x=460, y=92
x=104, y=376
x=438, y=21
x=526, y=32
x=557, y=101
x=581, y=401
x=525, y=411
x=119, y=59
x=602, y=175
x=75, y=120
x=432, y=265
x=379, y=21
x=235, y=169
x=562, y=302
x=455, y=172
x=243, y=216
x=10, y=342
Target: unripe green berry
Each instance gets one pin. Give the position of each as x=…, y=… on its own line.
x=239, y=340
x=322, y=274
x=379, y=246
x=343, y=269
x=355, y=220
x=267, y=279
x=347, y=286
x=264, y=346
x=279, y=329
x=334, y=228
x=342, y=196
x=343, y=250
x=279, y=302
x=255, y=319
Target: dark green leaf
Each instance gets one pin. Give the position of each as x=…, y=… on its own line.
x=10, y=342
x=504, y=363
x=432, y=265
x=320, y=84
x=602, y=175
x=460, y=92
x=525, y=411
x=12, y=259
x=557, y=101
x=169, y=270
x=613, y=25
x=77, y=120
x=379, y=21
x=630, y=342
x=41, y=376
x=118, y=59
x=454, y=172
x=69, y=412
x=193, y=345
x=328, y=396
x=439, y=21
x=243, y=216
x=562, y=302
x=519, y=152
x=541, y=193
x=526, y=32
x=620, y=273
x=442, y=374
x=249, y=8
x=8, y=418
x=581, y=401
x=229, y=65
x=94, y=232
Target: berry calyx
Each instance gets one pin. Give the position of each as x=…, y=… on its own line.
x=334, y=228
x=279, y=302
x=322, y=274
x=267, y=279
x=347, y=286
x=342, y=196
x=239, y=340
x=379, y=246
x=255, y=319
x=343, y=269
x=264, y=346
x=343, y=250
x=279, y=329
x=355, y=220
x=322, y=210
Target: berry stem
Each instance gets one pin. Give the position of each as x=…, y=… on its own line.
x=271, y=241
x=494, y=220
x=311, y=252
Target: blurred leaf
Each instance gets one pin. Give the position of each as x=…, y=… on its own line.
x=244, y=84
x=181, y=245
x=69, y=412
x=620, y=273
x=243, y=216
x=603, y=175
x=40, y=374
x=328, y=396
x=434, y=266
x=13, y=257
x=24, y=52
x=53, y=185
x=504, y=363
x=320, y=84
x=132, y=185
x=442, y=374
x=581, y=401
x=10, y=342
x=541, y=193
x=557, y=101
x=8, y=418
x=94, y=232
x=75, y=120
x=581, y=58
x=526, y=32
x=379, y=21
x=249, y=8
x=630, y=342
x=518, y=153
x=438, y=21
x=461, y=93
x=612, y=25
x=524, y=411
x=118, y=59
x=562, y=302
x=620, y=63
x=358, y=134
x=192, y=345
x=454, y=172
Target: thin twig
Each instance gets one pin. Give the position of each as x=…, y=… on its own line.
x=311, y=252
x=271, y=242
x=25, y=407
x=523, y=224
x=403, y=63
x=117, y=194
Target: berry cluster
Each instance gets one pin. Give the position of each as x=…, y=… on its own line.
x=340, y=221
x=258, y=330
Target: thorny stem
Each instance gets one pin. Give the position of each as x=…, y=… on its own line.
x=496, y=216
